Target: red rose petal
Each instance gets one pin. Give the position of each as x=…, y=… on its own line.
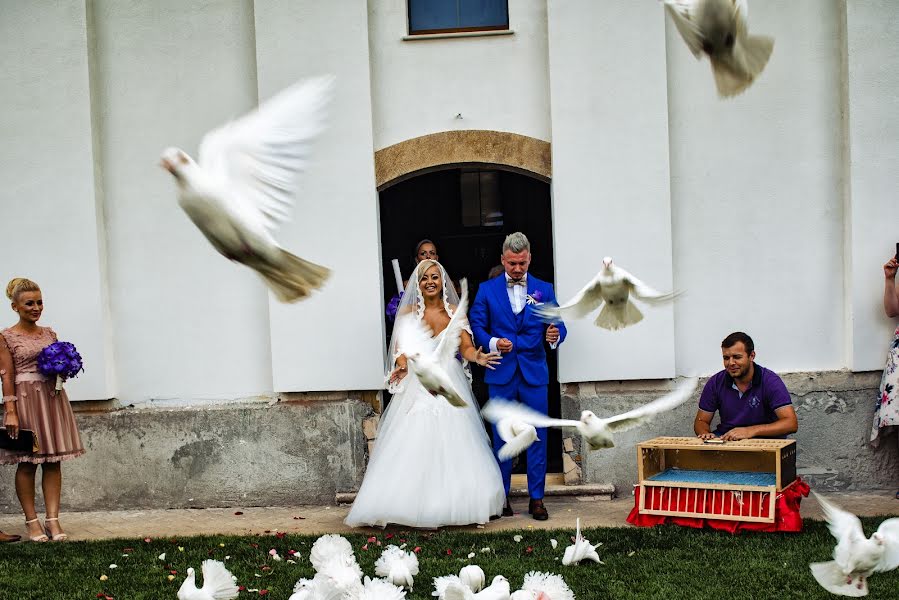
x=280, y=534
x=417, y=549
x=365, y=547
x=298, y=518
x=529, y=549
x=448, y=551
x=372, y=539
x=389, y=536
x=263, y=592
x=238, y=513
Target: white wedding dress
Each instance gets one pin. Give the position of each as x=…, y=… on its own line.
x=432, y=464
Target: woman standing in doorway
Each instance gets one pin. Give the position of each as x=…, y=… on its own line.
x=31, y=403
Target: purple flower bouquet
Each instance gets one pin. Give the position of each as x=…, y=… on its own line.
x=60, y=359
x=393, y=306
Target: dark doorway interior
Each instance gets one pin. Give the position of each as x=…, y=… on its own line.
x=468, y=212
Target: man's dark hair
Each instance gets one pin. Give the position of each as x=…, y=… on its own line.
x=739, y=336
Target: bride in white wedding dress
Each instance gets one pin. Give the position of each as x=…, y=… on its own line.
x=432, y=464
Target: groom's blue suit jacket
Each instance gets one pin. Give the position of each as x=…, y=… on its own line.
x=491, y=316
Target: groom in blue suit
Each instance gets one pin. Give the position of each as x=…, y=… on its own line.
x=501, y=319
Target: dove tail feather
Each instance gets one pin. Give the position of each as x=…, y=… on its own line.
x=548, y=313
x=217, y=580
x=613, y=318
x=293, y=278
x=757, y=50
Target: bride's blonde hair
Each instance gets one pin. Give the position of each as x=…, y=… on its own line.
x=18, y=285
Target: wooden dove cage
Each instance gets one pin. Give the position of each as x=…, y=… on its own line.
x=736, y=481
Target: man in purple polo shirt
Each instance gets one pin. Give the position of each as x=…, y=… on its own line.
x=751, y=401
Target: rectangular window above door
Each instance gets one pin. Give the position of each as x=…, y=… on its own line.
x=448, y=16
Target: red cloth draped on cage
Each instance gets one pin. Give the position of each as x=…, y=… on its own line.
x=722, y=502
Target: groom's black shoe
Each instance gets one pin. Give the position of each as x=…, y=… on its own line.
x=536, y=508
x=507, y=509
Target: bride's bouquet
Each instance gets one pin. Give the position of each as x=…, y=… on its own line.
x=60, y=359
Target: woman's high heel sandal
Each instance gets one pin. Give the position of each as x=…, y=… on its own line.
x=42, y=537
x=59, y=537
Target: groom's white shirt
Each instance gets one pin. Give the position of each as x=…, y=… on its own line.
x=517, y=298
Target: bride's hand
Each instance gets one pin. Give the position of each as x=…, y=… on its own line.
x=398, y=373
x=488, y=359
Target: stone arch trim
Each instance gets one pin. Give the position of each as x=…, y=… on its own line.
x=465, y=147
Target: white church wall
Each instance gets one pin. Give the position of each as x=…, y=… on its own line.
x=188, y=323
x=756, y=200
x=610, y=176
x=48, y=200
x=334, y=340
x=873, y=180
x=496, y=82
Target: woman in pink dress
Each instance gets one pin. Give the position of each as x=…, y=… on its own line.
x=30, y=402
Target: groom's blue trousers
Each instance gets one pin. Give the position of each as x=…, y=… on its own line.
x=533, y=396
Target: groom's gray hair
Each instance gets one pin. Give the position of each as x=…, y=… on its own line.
x=516, y=242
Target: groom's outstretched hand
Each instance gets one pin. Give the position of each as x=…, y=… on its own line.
x=552, y=334
x=504, y=345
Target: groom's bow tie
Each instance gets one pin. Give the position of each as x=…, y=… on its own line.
x=521, y=282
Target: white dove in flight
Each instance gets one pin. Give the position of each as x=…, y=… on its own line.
x=613, y=286
x=719, y=29
x=218, y=584
x=597, y=432
x=517, y=434
x=855, y=556
x=414, y=341
x=243, y=186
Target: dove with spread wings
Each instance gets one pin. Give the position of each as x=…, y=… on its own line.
x=597, y=432
x=855, y=556
x=243, y=185
x=613, y=286
x=720, y=30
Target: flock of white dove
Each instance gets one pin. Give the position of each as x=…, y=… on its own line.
x=243, y=188
x=339, y=577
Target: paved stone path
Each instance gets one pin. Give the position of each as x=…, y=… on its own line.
x=321, y=519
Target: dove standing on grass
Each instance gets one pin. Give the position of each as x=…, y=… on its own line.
x=470, y=576
x=243, y=186
x=855, y=556
x=218, y=584
x=719, y=29
x=543, y=586
x=580, y=550
x=613, y=286
x=499, y=589
x=597, y=432
x=397, y=566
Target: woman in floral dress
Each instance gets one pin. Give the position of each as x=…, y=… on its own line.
x=30, y=402
x=886, y=412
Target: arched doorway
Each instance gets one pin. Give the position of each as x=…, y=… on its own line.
x=468, y=210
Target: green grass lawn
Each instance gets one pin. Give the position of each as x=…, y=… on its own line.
x=665, y=562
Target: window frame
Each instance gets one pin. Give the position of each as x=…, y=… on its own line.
x=474, y=29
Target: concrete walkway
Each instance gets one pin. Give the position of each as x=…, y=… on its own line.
x=329, y=519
